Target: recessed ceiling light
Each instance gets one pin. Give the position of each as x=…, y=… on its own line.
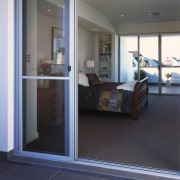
x=122, y=15
x=154, y=14
x=49, y=10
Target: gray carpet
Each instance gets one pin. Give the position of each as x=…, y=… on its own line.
x=151, y=141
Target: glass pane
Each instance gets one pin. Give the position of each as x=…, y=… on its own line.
x=44, y=116
x=45, y=40
x=45, y=101
x=170, y=64
x=128, y=60
x=149, y=61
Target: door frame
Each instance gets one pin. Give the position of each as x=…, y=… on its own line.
x=159, y=68
x=19, y=77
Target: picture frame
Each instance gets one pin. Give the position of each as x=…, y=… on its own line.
x=58, y=45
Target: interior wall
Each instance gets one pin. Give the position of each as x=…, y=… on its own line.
x=94, y=16
x=149, y=28
x=44, y=41
x=86, y=48
x=115, y=63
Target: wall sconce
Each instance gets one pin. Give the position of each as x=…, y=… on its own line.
x=90, y=64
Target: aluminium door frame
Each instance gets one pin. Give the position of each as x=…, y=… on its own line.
x=19, y=77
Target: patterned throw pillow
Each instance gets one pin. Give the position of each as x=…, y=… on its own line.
x=93, y=79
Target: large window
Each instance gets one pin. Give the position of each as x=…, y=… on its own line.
x=128, y=57
x=170, y=63
x=155, y=56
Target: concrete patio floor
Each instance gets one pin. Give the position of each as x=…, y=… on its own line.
x=13, y=171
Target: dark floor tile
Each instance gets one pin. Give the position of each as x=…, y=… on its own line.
x=165, y=178
x=16, y=172
x=68, y=176
x=79, y=176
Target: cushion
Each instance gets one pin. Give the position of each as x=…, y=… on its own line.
x=93, y=79
x=83, y=80
x=129, y=86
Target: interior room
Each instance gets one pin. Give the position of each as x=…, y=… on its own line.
x=123, y=42
x=46, y=98
x=128, y=81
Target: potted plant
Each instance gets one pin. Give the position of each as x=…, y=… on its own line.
x=168, y=81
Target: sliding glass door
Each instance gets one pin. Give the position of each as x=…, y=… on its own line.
x=128, y=58
x=139, y=59
x=149, y=61
x=153, y=56
x=44, y=77
x=170, y=63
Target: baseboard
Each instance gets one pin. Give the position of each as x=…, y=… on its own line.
x=4, y=156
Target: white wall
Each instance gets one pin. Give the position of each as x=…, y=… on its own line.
x=7, y=72
x=94, y=16
x=44, y=43
x=115, y=58
x=149, y=28
x=99, y=19
x=86, y=48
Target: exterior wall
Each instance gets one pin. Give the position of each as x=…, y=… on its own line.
x=7, y=79
x=7, y=75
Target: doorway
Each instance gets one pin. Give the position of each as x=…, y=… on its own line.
x=43, y=75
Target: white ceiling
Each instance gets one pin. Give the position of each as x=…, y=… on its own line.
x=55, y=7
x=89, y=26
x=135, y=11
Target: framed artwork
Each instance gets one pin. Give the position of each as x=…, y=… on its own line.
x=58, y=45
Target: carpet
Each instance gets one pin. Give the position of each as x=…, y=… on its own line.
x=152, y=141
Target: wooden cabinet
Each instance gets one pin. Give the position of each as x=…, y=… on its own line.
x=105, y=56
x=50, y=103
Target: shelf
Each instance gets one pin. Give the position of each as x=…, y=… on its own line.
x=104, y=69
x=105, y=59
x=105, y=53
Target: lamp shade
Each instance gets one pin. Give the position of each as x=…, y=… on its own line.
x=90, y=63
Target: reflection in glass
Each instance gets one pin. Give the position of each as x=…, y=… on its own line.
x=45, y=43
x=44, y=116
x=45, y=99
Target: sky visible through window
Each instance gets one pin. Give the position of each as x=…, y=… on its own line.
x=149, y=55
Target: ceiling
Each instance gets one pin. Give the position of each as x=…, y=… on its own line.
x=120, y=12
x=51, y=8
x=89, y=26
x=123, y=12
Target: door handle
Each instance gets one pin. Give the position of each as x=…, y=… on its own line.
x=69, y=68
